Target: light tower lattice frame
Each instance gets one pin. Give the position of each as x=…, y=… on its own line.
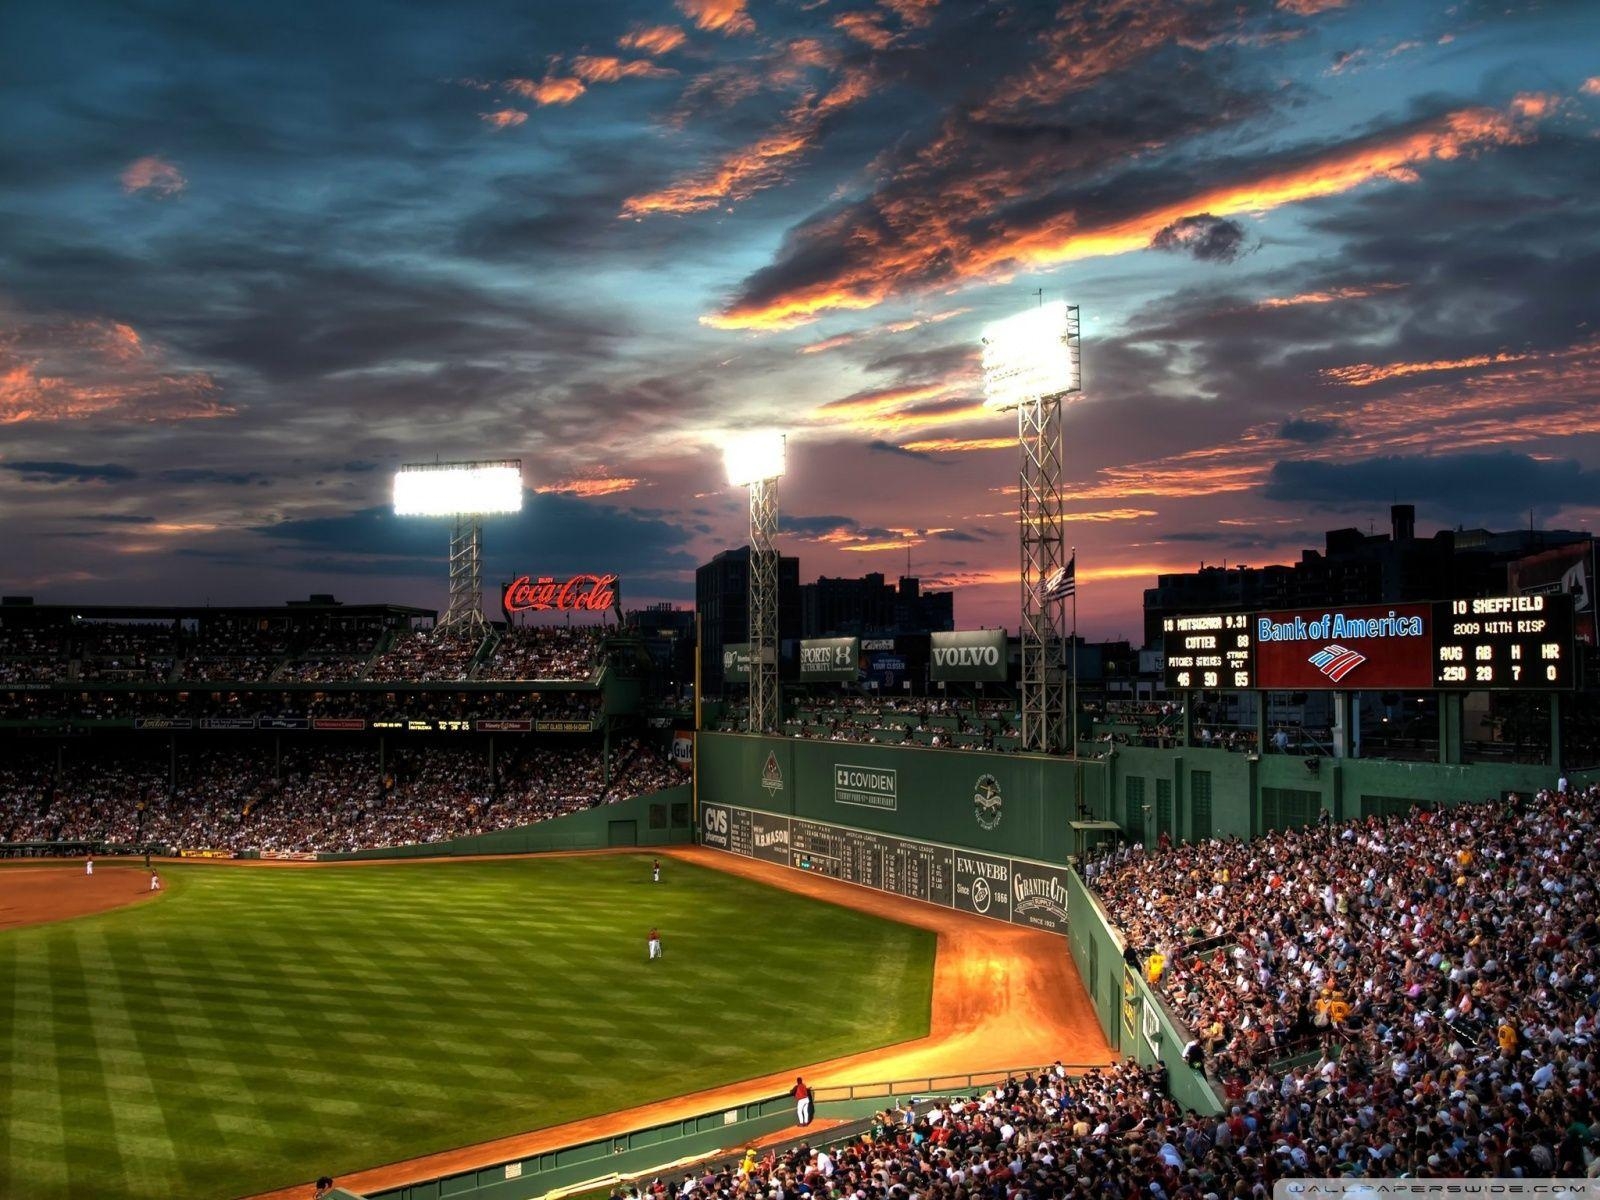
x=765, y=700
x=1042, y=538
x=465, y=611
x=1032, y=363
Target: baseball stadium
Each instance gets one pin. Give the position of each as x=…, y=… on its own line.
x=426, y=773
x=377, y=901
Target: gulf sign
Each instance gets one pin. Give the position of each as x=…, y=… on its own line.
x=1358, y=648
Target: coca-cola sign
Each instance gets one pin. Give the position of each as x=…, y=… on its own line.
x=580, y=593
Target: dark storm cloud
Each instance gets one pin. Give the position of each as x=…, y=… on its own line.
x=1309, y=432
x=210, y=475
x=815, y=526
x=553, y=533
x=1203, y=237
x=879, y=446
x=70, y=472
x=1494, y=486
x=975, y=534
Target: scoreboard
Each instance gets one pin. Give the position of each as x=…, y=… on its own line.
x=1215, y=651
x=1511, y=643
x=1504, y=643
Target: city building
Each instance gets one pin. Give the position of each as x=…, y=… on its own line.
x=870, y=606
x=1357, y=568
x=722, y=598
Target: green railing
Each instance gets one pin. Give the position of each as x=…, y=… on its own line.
x=644, y=1151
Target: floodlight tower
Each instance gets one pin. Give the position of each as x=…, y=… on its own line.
x=468, y=492
x=756, y=461
x=1031, y=362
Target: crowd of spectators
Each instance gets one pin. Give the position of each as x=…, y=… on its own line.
x=234, y=652
x=1442, y=969
x=930, y=721
x=1116, y=1132
x=319, y=797
x=426, y=656
x=546, y=652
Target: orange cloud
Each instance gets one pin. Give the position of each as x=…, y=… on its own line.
x=761, y=165
x=653, y=39
x=1309, y=8
x=1534, y=106
x=845, y=339
x=909, y=242
x=914, y=14
x=505, y=118
x=883, y=398
x=866, y=28
x=154, y=175
x=602, y=486
x=960, y=445
x=1591, y=86
x=725, y=16
x=74, y=370
x=1331, y=296
x=1111, y=514
x=592, y=68
x=549, y=90
x=1367, y=374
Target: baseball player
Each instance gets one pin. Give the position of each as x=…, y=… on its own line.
x=88, y=867
x=802, y=1101
x=655, y=945
x=655, y=870
x=155, y=882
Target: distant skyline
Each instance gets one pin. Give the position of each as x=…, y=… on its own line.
x=1329, y=255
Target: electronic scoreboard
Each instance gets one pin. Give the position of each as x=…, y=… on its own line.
x=1504, y=643
x=1215, y=651
x=1512, y=643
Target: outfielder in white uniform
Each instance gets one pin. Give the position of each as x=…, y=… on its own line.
x=155, y=882
x=655, y=945
x=88, y=867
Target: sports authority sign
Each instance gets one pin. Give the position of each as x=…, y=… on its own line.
x=969, y=656
x=1361, y=647
x=866, y=787
x=576, y=593
x=829, y=660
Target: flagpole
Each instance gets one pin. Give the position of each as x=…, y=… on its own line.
x=1072, y=715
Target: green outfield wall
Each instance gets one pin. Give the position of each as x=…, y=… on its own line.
x=1194, y=793
x=659, y=819
x=1137, y=1023
x=1001, y=804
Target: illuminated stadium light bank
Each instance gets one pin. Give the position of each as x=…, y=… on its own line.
x=756, y=461
x=467, y=492
x=1031, y=363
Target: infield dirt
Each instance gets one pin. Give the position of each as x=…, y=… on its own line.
x=35, y=895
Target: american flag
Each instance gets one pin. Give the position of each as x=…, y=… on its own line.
x=1062, y=582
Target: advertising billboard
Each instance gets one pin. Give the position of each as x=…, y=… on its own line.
x=736, y=662
x=1351, y=648
x=969, y=656
x=829, y=660
x=1567, y=570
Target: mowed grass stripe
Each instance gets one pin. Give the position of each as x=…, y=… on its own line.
x=268, y=1026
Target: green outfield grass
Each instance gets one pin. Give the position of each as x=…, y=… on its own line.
x=254, y=1028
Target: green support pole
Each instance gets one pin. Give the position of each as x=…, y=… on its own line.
x=1555, y=732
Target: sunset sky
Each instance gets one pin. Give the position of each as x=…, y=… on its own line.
x=1329, y=254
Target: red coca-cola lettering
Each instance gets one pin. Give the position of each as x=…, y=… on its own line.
x=581, y=593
